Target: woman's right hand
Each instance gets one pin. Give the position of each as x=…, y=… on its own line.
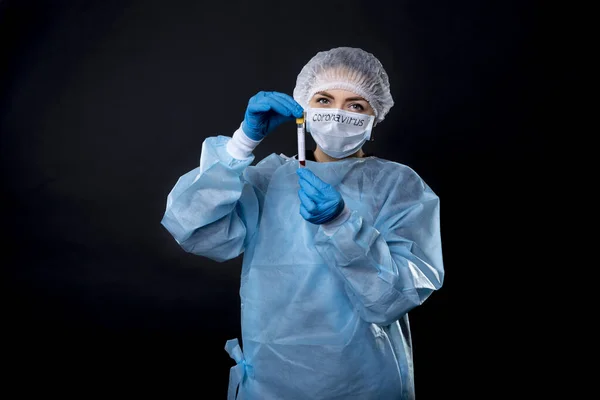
x=266, y=111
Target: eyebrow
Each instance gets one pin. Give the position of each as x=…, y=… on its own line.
x=348, y=99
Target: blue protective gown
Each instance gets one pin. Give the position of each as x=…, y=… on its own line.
x=324, y=316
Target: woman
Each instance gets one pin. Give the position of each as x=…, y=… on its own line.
x=335, y=254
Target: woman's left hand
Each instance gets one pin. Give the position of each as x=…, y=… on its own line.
x=319, y=201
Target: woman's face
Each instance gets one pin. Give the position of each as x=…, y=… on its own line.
x=341, y=99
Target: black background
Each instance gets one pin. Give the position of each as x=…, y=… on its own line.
x=104, y=104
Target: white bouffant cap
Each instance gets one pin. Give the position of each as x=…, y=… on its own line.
x=346, y=68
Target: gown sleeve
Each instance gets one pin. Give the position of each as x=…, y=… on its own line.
x=394, y=264
x=212, y=210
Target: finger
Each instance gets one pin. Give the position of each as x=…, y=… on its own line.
x=258, y=107
x=310, y=176
x=306, y=201
x=266, y=101
x=293, y=105
x=317, y=183
x=329, y=206
x=305, y=214
x=279, y=105
x=279, y=119
x=311, y=191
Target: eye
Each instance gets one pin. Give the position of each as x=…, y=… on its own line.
x=357, y=107
x=323, y=100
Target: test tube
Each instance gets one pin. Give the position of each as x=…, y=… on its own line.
x=301, y=143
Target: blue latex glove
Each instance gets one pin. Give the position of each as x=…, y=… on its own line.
x=266, y=111
x=319, y=201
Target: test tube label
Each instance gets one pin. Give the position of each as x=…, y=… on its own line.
x=301, y=145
